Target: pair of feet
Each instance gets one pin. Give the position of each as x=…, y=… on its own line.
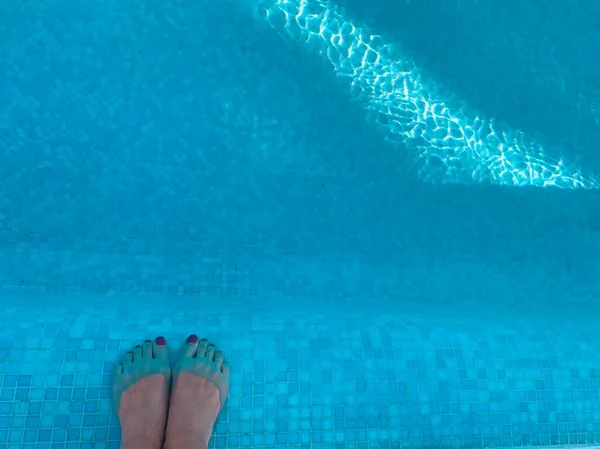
x=153, y=413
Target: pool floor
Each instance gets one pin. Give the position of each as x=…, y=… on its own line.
x=352, y=380
x=379, y=367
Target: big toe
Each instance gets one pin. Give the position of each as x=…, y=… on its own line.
x=160, y=352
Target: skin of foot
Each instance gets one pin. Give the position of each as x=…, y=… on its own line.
x=141, y=394
x=200, y=388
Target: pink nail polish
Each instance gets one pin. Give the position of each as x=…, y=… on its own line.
x=192, y=338
x=160, y=341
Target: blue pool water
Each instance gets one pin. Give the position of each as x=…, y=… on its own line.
x=386, y=215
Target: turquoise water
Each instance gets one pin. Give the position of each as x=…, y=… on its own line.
x=387, y=216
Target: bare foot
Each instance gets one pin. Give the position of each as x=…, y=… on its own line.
x=141, y=393
x=200, y=388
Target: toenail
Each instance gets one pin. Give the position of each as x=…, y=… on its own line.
x=148, y=341
x=160, y=341
x=137, y=347
x=192, y=338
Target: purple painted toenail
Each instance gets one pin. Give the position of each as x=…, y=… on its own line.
x=137, y=347
x=160, y=341
x=192, y=339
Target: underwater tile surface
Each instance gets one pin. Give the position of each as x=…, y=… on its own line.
x=357, y=379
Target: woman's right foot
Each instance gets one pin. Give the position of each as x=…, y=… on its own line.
x=200, y=388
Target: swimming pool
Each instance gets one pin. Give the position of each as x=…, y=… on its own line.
x=386, y=216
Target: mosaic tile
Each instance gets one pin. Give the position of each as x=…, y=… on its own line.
x=397, y=380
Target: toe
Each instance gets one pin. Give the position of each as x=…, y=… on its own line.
x=210, y=352
x=202, y=347
x=127, y=361
x=219, y=357
x=119, y=371
x=137, y=353
x=190, y=347
x=160, y=349
x=147, y=351
x=225, y=369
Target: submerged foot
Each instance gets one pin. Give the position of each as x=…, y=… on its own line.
x=200, y=388
x=141, y=394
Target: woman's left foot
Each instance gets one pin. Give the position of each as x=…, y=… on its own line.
x=141, y=394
